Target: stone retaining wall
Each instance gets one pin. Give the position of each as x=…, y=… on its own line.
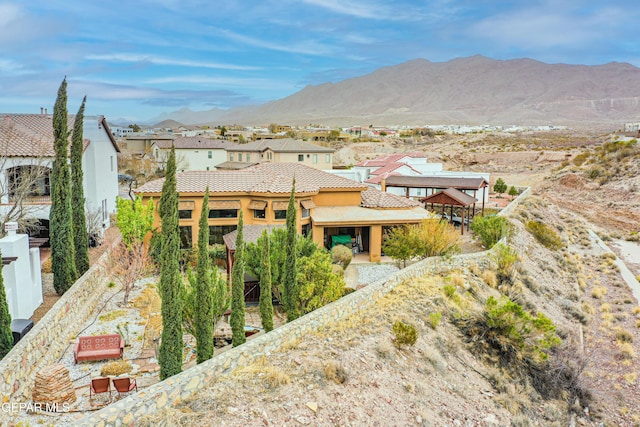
x=176, y=389
x=48, y=339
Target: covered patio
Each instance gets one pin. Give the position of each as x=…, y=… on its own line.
x=452, y=197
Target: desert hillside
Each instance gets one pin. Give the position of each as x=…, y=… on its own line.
x=475, y=90
x=462, y=370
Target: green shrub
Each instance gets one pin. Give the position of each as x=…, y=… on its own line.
x=505, y=258
x=490, y=229
x=434, y=319
x=405, y=333
x=580, y=159
x=449, y=290
x=341, y=255
x=516, y=333
x=544, y=234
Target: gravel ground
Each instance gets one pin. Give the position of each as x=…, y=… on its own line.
x=371, y=273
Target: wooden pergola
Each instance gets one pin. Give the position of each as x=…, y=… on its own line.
x=452, y=197
x=434, y=184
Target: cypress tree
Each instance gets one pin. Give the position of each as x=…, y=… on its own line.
x=290, y=271
x=60, y=218
x=266, y=303
x=6, y=336
x=80, y=235
x=170, y=354
x=237, y=289
x=204, y=294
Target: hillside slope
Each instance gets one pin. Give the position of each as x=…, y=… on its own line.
x=350, y=373
x=473, y=90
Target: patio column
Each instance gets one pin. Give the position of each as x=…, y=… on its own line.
x=375, y=243
x=317, y=233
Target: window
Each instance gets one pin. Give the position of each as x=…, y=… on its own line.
x=306, y=230
x=231, y=157
x=239, y=157
x=210, y=154
x=223, y=213
x=301, y=157
x=269, y=155
x=105, y=214
x=184, y=214
x=315, y=158
x=280, y=214
x=111, y=163
x=217, y=231
x=305, y=213
x=259, y=213
x=327, y=158
x=248, y=157
x=185, y=236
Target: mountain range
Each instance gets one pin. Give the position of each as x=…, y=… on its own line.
x=473, y=90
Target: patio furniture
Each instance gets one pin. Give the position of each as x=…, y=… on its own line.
x=125, y=385
x=98, y=347
x=98, y=386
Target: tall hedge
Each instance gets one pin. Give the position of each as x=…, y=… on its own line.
x=204, y=308
x=237, y=289
x=290, y=272
x=60, y=217
x=170, y=354
x=266, y=298
x=80, y=234
x=6, y=336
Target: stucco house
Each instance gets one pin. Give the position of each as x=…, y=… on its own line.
x=327, y=205
x=286, y=150
x=192, y=153
x=26, y=145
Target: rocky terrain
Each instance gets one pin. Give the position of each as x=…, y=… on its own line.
x=351, y=373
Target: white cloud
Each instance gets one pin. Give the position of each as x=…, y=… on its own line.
x=124, y=57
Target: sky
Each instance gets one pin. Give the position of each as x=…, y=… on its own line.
x=136, y=59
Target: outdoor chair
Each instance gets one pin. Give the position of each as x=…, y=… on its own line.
x=124, y=385
x=98, y=386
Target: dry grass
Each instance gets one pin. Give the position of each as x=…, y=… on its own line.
x=335, y=372
x=489, y=277
x=598, y=292
x=115, y=368
x=112, y=315
x=260, y=371
x=626, y=351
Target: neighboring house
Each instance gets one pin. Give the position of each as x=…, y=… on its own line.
x=284, y=150
x=192, y=153
x=327, y=205
x=141, y=144
x=414, y=164
x=26, y=145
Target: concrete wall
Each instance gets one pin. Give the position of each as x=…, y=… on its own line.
x=22, y=277
x=48, y=339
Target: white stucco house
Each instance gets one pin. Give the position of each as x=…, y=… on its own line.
x=26, y=149
x=374, y=172
x=192, y=153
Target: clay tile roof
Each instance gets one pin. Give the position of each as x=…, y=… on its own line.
x=286, y=145
x=31, y=135
x=373, y=198
x=390, y=158
x=251, y=233
x=261, y=178
x=194, y=142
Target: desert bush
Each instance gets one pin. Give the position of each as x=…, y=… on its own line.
x=598, y=292
x=623, y=336
x=335, y=372
x=489, y=277
x=505, y=258
x=115, y=368
x=431, y=237
x=449, y=290
x=544, y=234
x=580, y=159
x=434, y=319
x=341, y=255
x=626, y=351
x=405, y=333
x=490, y=229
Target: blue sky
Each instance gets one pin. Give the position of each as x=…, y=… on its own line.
x=135, y=59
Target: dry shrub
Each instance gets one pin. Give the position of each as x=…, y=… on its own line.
x=384, y=349
x=335, y=372
x=115, y=368
x=605, y=308
x=433, y=356
x=490, y=278
x=458, y=280
x=341, y=255
x=626, y=351
x=46, y=266
x=260, y=370
x=598, y=292
x=623, y=336
x=405, y=333
x=631, y=378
